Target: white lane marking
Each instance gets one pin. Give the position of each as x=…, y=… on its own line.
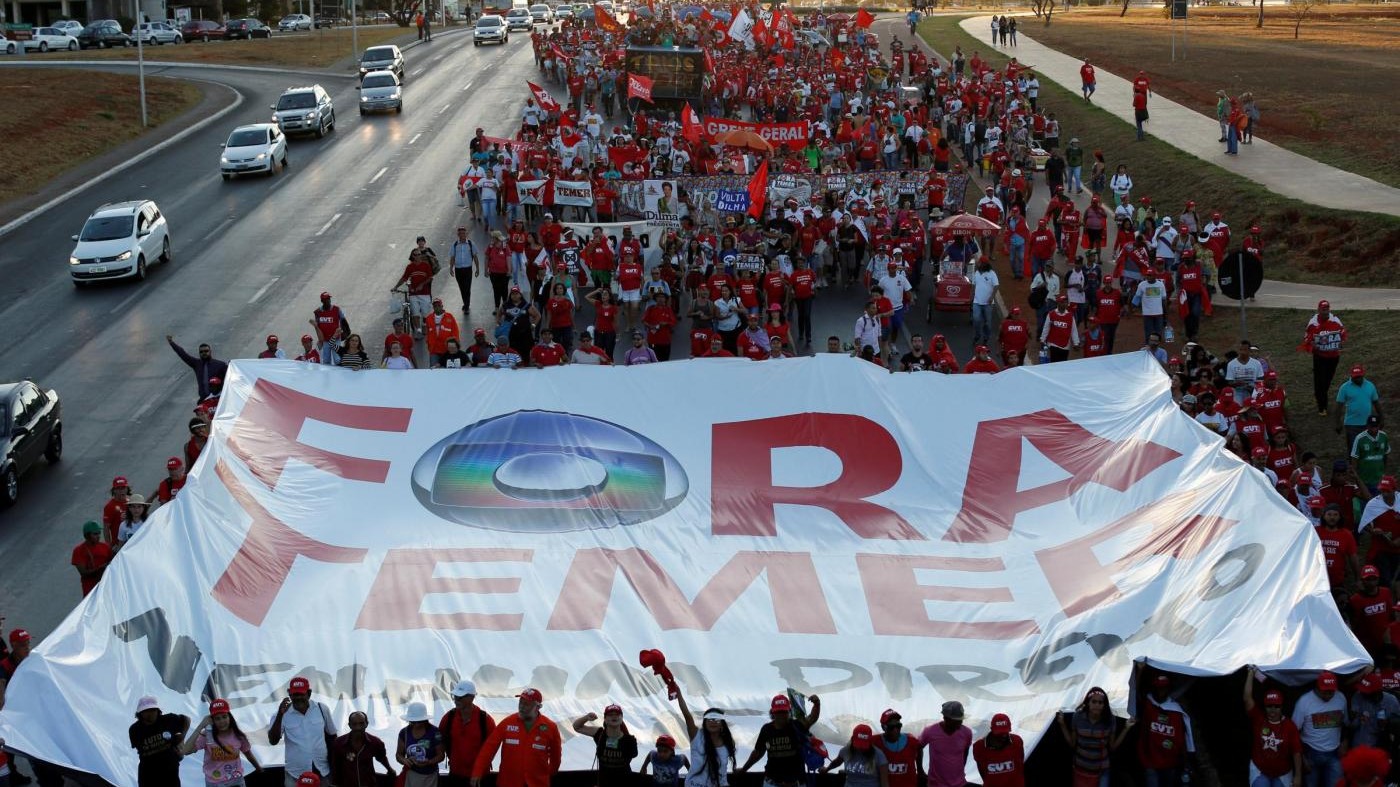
x=217, y=229
x=127, y=164
x=125, y=302
x=415, y=138
x=445, y=107
x=466, y=87
x=263, y=290
x=415, y=73
x=327, y=225
x=151, y=402
x=379, y=174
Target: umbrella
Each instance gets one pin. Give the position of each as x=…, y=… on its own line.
x=743, y=138
x=641, y=11
x=721, y=14
x=838, y=19
x=687, y=11
x=966, y=224
x=586, y=14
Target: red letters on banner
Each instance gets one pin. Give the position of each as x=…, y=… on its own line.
x=793, y=135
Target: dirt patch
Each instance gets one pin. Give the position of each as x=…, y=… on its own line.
x=317, y=49
x=1303, y=242
x=1322, y=95
x=98, y=112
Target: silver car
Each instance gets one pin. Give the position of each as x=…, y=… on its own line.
x=157, y=33
x=304, y=110
x=381, y=91
x=294, y=22
x=490, y=29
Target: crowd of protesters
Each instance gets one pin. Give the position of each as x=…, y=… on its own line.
x=1098, y=253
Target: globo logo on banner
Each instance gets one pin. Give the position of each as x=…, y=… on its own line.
x=542, y=471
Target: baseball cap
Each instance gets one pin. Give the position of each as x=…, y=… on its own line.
x=1273, y=697
x=861, y=737
x=531, y=695
x=218, y=706
x=173, y=462
x=1373, y=421
x=613, y=709
x=1001, y=724
x=464, y=688
x=1316, y=501
x=665, y=742
x=437, y=301
x=1259, y=450
x=1015, y=310
x=19, y=635
x=1323, y=304
x=1358, y=370
x=1370, y=572
x=1370, y=683
x=120, y=482
x=780, y=704
x=272, y=338
x=309, y=779
x=325, y=296
x=91, y=527
x=305, y=337
x=1326, y=681
x=147, y=703
x=1271, y=375
x=299, y=685
x=890, y=716
x=953, y=709
x=479, y=332
x=1387, y=484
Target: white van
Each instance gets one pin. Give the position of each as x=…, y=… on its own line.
x=523, y=5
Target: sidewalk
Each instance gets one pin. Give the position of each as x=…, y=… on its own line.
x=1273, y=294
x=1277, y=169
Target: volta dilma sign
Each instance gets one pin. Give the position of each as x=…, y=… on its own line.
x=816, y=523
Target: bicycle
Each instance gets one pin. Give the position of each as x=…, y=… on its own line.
x=405, y=312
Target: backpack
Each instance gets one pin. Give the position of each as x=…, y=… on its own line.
x=451, y=718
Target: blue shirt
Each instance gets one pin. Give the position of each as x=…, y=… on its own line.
x=1359, y=401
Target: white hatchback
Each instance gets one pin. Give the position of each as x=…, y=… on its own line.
x=260, y=147
x=118, y=241
x=46, y=39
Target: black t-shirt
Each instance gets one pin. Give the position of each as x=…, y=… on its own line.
x=916, y=363
x=158, y=745
x=784, y=748
x=615, y=756
x=457, y=360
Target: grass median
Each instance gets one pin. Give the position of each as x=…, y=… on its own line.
x=1304, y=243
x=315, y=49
x=70, y=116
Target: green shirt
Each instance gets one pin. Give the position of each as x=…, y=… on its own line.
x=1370, y=453
x=1074, y=156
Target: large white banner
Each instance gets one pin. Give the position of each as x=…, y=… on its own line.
x=648, y=235
x=802, y=523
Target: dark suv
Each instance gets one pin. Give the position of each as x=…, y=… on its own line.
x=246, y=28
x=202, y=30
x=31, y=426
x=104, y=34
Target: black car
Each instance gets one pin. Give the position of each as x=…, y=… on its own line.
x=104, y=34
x=246, y=28
x=31, y=426
x=326, y=21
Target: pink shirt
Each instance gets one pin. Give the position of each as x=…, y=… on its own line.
x=222, y=764
x=947, y=755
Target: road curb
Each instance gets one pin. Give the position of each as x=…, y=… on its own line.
x=126, y=163
x=171, y=64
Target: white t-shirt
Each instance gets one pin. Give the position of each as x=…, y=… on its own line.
x=1320, y=724
x=1243, y=375
x=1152, y=295
x=984, y=284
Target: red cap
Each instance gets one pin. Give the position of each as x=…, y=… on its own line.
x=1387, y=484
x=1326, y=682
x=780, y=704
x=119, y=482
x=665, y=742
x=1190, y=204
x=889, y=715
x=309, y=779
x=1001, y=724
x=1317, y=501
x=437, y=301
x=299, y=685
x=479, y=332
x=1358, y=371
x=272, y=337
x=1215, y=214
x=861, y=737
x=325, y=296
x=1015, y=310
x=1273, y=697
x=1259, y=450
x=19, y=635
x=981, y=348
x=1370, y=683
x=612, y=709
x=1271, y=375
x=1370, y=572
x=1323, y=304
x=306, y=337
x=1255, y=229
x=531, y=695
x=218, y=706
x=173, y=462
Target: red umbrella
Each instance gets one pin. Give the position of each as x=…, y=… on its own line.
x=965, y=224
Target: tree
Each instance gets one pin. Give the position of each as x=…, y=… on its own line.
x=1300, y=10
x=1124, y=12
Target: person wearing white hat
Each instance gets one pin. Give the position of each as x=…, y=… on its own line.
x=420, y=748
x=1164, y=243
x=464, y=729
x=157, y=738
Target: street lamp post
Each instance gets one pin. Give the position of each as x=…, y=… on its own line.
x=140, y=61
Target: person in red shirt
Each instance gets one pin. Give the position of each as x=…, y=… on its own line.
x=1001, y=756
x=775, y=327
x=331, y=325
x=418, y=275
x=600, y=259
x=308, y=350
x=775, y=287
x=439, y=326
x=1165, y=738
x=1087, y=81
x=660, y=321
x=529, y=743
x=716, y=349
x=1271, y=400
x=115, y=508
x=559, y=315
x=1368, y=611
x=550, y=232
x=1344, y=491
x=804, y=290
x=1339, y=550
x=981, y=362
x=1275, y=750
x=1060, y=333
x=1042, y=246
x=747, y=291
x=464, y=729
x=91, y=557
x=1323, y=337
x=1140, y=111
x=199, y=435
x=398, y=334
x=172, y=483
x=701, y=338
x=547, y=352
x=1013, y=336
x=1095, y=338
x=629, y=283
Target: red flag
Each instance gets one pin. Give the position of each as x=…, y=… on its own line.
x=758, y=190
x=639, y=86
x=706, y=15
x=606, y=21
x=690, y=124
x=709, y=62
x=760, y=33
x=837, y=59
x=864, y=18
x=570, y=138
x=543, y=98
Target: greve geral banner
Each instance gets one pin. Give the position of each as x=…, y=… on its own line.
x=385, y=532
x=793, y=135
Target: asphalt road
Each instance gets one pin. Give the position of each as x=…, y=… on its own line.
x=250, y=258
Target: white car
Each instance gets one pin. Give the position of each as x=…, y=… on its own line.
x=563, y=12
x=45, y=39
x=157, y=33
x=490, y=28
x=518, y=19
x=295, y=22
x=118, y=241
x=259, y=147
x=7, y=46
x=541, y=14
x=70, y=26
